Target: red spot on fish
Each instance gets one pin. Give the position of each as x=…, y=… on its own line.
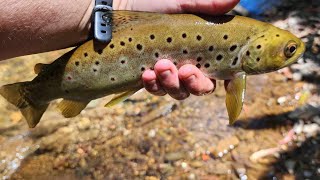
x=69, y=78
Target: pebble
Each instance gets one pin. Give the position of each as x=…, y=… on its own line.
x=174, y=156
x=307, y=173
x=297, y=76
x=290, y=164
x=152, y=133
x=15, y=117
x=84, y=124
x=297, y=128
x=281, y=100
x=191, y=176
x=311, y=129
x=184, y=165
x=196, y=164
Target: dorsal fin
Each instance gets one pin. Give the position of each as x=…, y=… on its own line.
x=125, y=19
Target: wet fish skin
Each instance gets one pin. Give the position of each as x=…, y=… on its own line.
x=223, y=47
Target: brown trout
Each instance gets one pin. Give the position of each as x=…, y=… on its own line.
x=222, y=47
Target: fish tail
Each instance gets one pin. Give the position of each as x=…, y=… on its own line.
x=13, y=93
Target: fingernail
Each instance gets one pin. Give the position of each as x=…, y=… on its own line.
x=191, y=78
x=165, y=74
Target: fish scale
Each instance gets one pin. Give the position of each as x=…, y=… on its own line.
x=222, y=47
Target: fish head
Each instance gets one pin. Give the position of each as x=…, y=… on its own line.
x=270, y=51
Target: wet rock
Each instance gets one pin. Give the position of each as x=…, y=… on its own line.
x=174, y=156
x=166, y=169
x=290, y=165
x=144, y=146
x=281, y=100
x=15, y=117
x=196, y=164
x=224, y=146
x=311, y=129
x=305, y=112
x=83, y=124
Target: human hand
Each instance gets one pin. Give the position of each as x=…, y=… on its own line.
x=166, y=78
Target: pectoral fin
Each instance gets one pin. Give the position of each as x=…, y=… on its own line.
x=71, y=108
x=120, y=98
x=235, y=89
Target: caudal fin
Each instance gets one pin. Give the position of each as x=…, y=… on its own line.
x=14, y=94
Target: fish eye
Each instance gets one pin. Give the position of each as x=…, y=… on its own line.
x=290, y=49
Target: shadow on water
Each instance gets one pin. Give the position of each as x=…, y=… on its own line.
x=295, y=161
x=302, y=157
x=305, y=113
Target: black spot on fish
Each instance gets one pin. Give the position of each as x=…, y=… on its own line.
x=123, y=61
x=235, y=60
x=207, y=65
x=112, y=79
x=100, y=51
x=184, y=35
x=94, y=70
x=234, y=47
x=130, y=39
x=139, y=47
x=278, y=35
x=122, y=43
x=156, y=54
x=258, y=59
x=175, y=63
x=259, y=46
x=185, y=51
x=199, y=38
x=198, y=65
x=143, y=68
x=210, y=48
x=85, y=54
x=199, y=59
x=131, y=29
x=248, y=53
x=219, y=57
x=97, y=63
x=262, y=36
x=169, y=39
x=248, y=38
x=111, y=46
x=225, y=37
x=77, y=63
x=152, y=37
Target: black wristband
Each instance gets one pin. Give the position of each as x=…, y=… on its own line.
x=102, y=20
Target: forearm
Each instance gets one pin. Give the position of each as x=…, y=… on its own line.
x=34, y=26
x=28, y=26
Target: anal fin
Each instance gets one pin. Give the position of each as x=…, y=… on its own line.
x=235, y=89
x=70, y=108
x=120, y=98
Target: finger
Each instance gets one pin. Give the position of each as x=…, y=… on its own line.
x=194, y=80
x=214, y=7
x=151, y=83
x=167, y=74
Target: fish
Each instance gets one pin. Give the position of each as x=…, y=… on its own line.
x=223, y=47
